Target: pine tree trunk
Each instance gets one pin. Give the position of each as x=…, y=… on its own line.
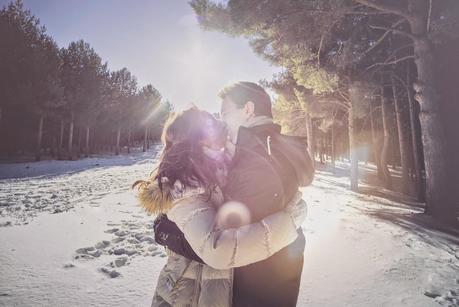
x=310, y=136
x=39, y=138
x=145, y=139
x=148, y=138
x=61, y=141
x=402, y=138
x=79, y=143
x=87, y=143
x=70, y=144
x=321, y=150
x=419, y=181
x=333, y=148
x=129, y=142
x=386, y=142
x=375, y=142
x=353, y=152
x=54, y=147
x=339, y=149
x=118, y=135
x=393, y=146
x=438, y=202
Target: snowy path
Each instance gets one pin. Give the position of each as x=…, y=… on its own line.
x=361, y=250
x=364, y=251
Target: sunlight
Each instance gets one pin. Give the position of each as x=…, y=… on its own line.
x=195, y=62
x=198, y=67
x=323, y=223
x=152, y=114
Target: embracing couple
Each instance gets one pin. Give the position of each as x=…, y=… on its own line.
x=229, y=207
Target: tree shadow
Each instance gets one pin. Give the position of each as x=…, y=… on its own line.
x=411, y=218
x=332, y=183
x=393, y=196
x=392, y=207
x=425, y=227
x=328, y=169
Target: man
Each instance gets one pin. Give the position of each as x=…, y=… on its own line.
x=266, y=171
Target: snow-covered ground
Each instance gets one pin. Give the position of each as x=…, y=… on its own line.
x=73, y=235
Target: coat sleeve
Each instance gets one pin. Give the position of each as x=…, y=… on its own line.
x=168, y=234
x=228, y=248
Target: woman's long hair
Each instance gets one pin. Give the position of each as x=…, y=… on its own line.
x=183, y=159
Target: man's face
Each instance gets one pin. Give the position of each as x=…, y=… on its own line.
x=233, y=116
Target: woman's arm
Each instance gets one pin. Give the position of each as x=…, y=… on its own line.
x=169, y=235
x=235, y=247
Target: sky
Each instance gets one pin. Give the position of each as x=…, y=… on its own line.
x=159, y=41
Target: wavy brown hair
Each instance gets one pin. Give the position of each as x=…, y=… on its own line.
x=183, y=158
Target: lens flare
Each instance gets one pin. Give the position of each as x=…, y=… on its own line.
x=232, y=215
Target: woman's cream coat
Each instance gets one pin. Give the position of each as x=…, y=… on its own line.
x=183, y=282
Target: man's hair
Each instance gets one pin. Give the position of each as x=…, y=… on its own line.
x=242, y=92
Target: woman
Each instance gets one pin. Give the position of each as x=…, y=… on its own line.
x=186, y=186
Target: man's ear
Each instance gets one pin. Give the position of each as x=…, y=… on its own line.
x=249, y=108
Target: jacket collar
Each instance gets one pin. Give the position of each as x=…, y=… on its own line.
x=246, y=135
x=257, y=121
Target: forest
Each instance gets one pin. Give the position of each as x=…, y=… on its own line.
x=65, y=102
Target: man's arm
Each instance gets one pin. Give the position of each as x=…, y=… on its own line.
x=257, y=186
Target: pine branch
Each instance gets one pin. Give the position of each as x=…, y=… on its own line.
x=429, y=16
x=344, y=96
x=394, y=75
x=381, y=39
x=320, y=50
x=386, y=8
x=344, y=12
x=394, y=53
x=396, y=31
x=339, y=103
x=408, y=57
x=366, y=13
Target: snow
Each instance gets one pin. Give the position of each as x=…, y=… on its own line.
x=54, y=186
x=364, y=251
x=361, y=250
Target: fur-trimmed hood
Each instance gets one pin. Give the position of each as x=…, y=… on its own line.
x=155, y=200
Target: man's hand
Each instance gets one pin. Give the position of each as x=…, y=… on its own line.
x=298, y=209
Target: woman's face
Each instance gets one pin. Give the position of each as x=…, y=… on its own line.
x=214, y=132
x=197, y=126
x=214, y=145
x=209, y=133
